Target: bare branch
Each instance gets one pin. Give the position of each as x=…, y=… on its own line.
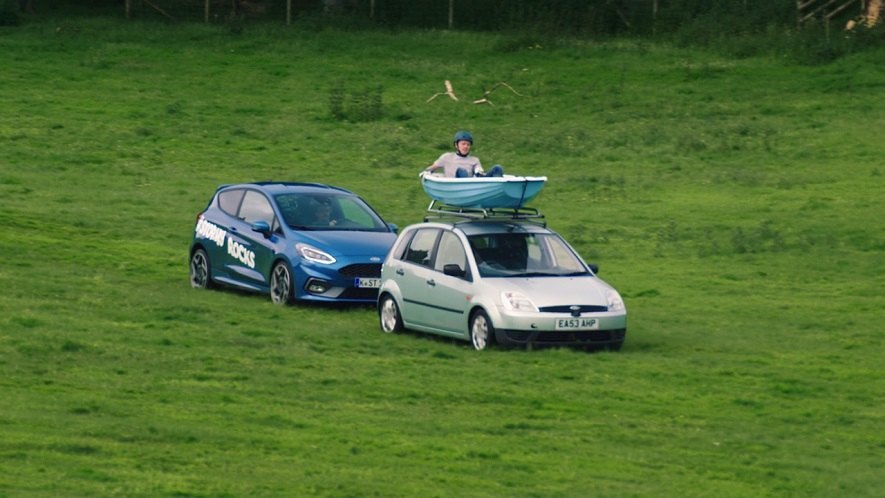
x=158, y=9
x=449, y=91
x=485, y=96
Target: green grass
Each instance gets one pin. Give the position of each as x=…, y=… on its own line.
x=736, y=203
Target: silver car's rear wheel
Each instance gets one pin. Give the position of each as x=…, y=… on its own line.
x=281, y=284
x=201, y=277
x=482, y=333
x=391, y=321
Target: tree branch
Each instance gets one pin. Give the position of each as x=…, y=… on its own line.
x=449, y=91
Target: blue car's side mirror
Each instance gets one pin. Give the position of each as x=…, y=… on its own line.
x=393, y=227
x=261, y=227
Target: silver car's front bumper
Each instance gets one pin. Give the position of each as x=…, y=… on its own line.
x=540, y=329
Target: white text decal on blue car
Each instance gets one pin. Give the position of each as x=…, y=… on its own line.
x=206, y=230
x=240, y=252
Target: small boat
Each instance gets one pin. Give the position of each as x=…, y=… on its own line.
x=487, y=192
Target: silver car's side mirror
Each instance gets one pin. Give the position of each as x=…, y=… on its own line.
x=453, y=270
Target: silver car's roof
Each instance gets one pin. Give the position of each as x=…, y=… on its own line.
x=480, y=227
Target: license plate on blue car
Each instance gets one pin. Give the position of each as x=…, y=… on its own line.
x=577, y=324
x=367, y=283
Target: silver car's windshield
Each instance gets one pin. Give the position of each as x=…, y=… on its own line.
x=524, y=255
x=328, y=212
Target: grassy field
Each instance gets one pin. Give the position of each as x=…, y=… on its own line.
x=736, y=203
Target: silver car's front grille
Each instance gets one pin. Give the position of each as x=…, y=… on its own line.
x=584, y=308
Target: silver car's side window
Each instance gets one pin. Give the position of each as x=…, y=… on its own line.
x=450, y=252
x=421, y=248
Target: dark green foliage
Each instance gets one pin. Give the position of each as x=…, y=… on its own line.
x=740, y=28
x=337, y=97
x=358, y=106
x=9, y=13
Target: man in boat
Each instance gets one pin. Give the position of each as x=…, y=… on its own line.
x=460, y=164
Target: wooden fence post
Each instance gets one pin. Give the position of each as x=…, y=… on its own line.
x=451, y=13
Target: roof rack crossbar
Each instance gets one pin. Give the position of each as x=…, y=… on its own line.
x=437, y=210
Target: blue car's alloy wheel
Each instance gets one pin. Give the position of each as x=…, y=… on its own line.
x=200, y=276
x=281, y=284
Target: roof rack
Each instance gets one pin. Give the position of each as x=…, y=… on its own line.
x=439, y=211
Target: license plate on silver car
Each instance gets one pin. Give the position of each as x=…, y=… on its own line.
x=367, y=283
x=577, y=324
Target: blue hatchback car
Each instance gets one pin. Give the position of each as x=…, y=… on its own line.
x=295, y=241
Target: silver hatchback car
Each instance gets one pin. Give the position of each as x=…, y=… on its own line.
x=505, y=281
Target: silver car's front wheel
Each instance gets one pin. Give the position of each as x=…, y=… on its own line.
x=389, y=314
x=200, y=273
x=281, y=284
x=482, y=333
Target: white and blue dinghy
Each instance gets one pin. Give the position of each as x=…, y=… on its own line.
x=484, y=192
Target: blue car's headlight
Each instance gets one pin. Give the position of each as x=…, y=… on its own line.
x=615, y=303
x=311, y=253
x=517, y=301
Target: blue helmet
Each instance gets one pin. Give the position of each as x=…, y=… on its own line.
x=463, y=135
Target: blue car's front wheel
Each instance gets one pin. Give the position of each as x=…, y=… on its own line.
x=281, y=283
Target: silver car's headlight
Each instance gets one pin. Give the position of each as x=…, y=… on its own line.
x=311, y=253
x=615, y=303
x=517, y=301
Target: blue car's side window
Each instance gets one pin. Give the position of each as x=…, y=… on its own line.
x=256, y=207
x=229, y=201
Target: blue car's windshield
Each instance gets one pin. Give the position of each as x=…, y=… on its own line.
x=328, y=212
x=524, y=255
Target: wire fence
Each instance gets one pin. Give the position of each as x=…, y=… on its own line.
x=593, y=16
x=457, y=14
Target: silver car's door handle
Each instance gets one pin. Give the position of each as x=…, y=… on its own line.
x=399, y=271
x=431, y=283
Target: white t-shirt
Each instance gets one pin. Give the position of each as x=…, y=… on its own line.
x=451, y=161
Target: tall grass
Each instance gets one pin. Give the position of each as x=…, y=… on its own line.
x=735, y=201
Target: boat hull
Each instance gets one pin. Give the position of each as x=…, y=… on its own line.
x=507, y=191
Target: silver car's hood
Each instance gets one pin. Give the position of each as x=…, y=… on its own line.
x=557, y=291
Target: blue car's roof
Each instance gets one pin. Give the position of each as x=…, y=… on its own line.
x=273, y=187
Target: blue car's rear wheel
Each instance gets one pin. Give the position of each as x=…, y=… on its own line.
x=281, y=284
x=200, y=273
